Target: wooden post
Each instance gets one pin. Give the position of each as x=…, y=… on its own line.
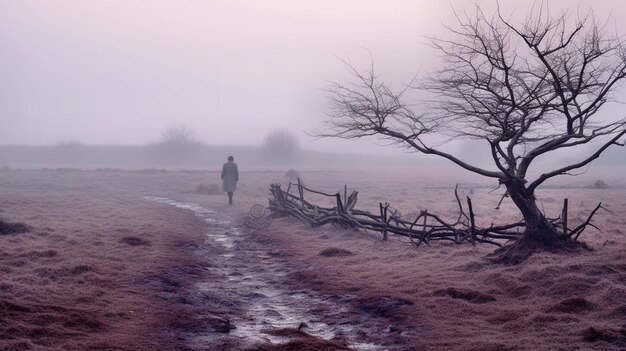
x=345, y=195
x=301, y=191
x=423, y=236
x=564, y=214
x=471, y=215
x=383, y=216
x=339, y=204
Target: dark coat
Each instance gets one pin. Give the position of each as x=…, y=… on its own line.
x=230, y=176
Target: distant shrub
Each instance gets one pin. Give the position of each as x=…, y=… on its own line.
x=466, y=294
x=572, y=305
x=7, y=228
x=292, y=175
x=592, y=334
x=335, y=252
x=135, y=241
x=5, y=168
x=600, y=184
x=207, y=189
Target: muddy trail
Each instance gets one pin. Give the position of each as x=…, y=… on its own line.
x=250, y=307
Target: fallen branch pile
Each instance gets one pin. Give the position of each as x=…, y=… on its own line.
x=426, y=227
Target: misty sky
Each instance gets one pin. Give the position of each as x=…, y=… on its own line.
x=122, y=71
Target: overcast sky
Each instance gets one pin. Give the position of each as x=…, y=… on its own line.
x=122, y=71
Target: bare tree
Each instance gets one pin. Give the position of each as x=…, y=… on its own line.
x=178, y=136
x=178, y=145
x=281, y=145
x=526, y=89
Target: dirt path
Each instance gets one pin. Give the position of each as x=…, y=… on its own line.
x=246, y=285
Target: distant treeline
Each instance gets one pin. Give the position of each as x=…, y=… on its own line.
x=163, y=154
x=198, y=155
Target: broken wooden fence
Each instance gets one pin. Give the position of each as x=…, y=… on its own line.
x=426, y=227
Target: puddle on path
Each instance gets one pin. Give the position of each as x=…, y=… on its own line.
x=252, y=276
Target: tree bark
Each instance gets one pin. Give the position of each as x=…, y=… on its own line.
x=538, y=228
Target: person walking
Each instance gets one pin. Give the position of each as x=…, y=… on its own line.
x=230, y=177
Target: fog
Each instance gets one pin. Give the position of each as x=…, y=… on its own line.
x=121, y=72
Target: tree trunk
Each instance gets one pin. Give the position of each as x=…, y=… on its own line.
x=538, y=228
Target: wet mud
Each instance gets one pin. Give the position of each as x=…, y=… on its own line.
x=253, y=308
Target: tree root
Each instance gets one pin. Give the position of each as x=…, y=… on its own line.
x=520, y=250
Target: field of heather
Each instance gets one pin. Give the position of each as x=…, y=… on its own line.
x=148, y=260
